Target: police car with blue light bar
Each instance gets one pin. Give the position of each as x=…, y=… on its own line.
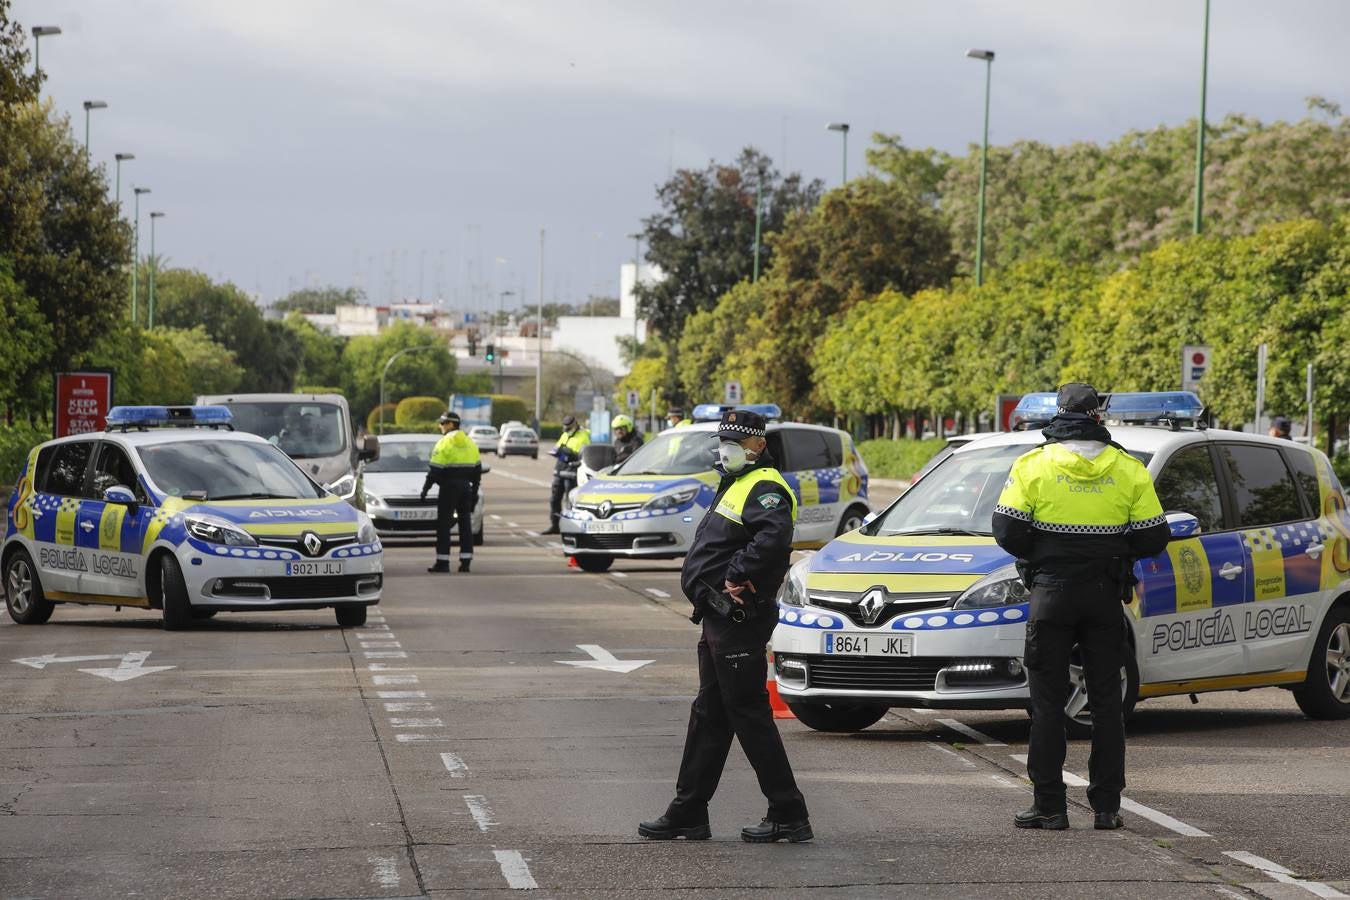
x=172, y=509
x=920, y=607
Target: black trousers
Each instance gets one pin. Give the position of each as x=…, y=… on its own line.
x=561, y=486
x=733, y=700
x=1087, y=614
x=454, y=502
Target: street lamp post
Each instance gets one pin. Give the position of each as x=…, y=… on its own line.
x=842, y=128
x=1200, y=131
x=759, y=206
x=501, y=314
x=40, y=32
x=539, y=340
x=385, y=371
x=121, y=158
x=136, y=253
x=988, y=57
x=154, y=264
x=637, y=267
x=90, y=105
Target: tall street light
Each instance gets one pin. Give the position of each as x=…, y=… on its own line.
x=90, y=105
x=136, y=252
x=759, y=209
x=121, y=158
x=842, y=128
x=1200, y=131
x=988, y=57
x=40, y=32
x=154, y=264
x=637, y=267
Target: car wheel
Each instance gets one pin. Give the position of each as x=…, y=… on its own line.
x=1077, y=711
x=24, y=599
x=852, y=520
x=177, y=610
x=1325, y=694
x=593, y=563
x=534, y=456
x=350, y=616
x=835, y=716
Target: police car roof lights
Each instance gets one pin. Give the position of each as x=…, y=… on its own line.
x=143, y=417
x=1169, y=408
x=1034, y=411
x=712, y=412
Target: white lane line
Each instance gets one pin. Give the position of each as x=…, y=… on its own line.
x=409, y=706
x=420, y=739
x=400, y=722
x=515, y=870
x=924, y=712
x=554, y=545
x=481, y=812
x=394, y=679
x=1005, y=782
x=618, y=574
x=400, y=695
x=1139, y=809
x=971, y=733
x=952, y=753
x=454, y=765
x=514, y=524
x=657, y=592
x=1281, y=874
x=532, y=533
x=385, y=654
x=380, y=645
x=382, y=626
x=384, y=871
x=385, y=667
x=1219, y=889
x=494, y=517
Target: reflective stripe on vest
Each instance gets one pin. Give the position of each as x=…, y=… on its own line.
x=733, y=501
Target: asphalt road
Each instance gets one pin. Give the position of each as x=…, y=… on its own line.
x=444, y=748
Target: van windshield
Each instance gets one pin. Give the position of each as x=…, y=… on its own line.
x=304, y=430
x=680, y=452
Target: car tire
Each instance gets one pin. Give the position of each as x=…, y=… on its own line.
x=24, y=599
x=591, y=562
x=350, y=616
x=1325, y=693
x=1079, y=726
x=851, y=520
x=534, y=456
x=836, y=717
x=173, y=593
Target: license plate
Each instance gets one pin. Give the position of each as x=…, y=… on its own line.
x=414, y=515
x=868, y=644
x=317, y=567
x=604, y=528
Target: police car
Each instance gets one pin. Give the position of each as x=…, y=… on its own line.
x=920, y=607
x=193, y=520
x=648, y=506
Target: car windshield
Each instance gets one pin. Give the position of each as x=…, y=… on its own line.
x=402, y=456
x=680, y=452
x=304, y=430
x=215, y=469
x=958, y=496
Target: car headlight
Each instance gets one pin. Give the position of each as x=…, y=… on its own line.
x=793, y=591
x=373, y=499
x=344, y=487
x=1002, y=587
x=218, y=531
x=366, y=533
x=672, y=499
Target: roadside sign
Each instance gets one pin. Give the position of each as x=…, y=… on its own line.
x=598, y=402
x=473, y=410
x=732, y=393
x=1195, y=360
x=1004, y=405
x=634, y=399
x=83, y=400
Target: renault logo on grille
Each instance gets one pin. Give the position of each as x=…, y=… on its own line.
x=871, y=605
x=604, y=509
x=313, y=543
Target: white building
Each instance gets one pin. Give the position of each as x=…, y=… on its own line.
x=596, y=337
x=358, y=320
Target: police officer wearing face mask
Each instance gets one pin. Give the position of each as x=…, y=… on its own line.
x=1077, y=512
x=567, y=452
x=732, y=573
x=456, y=469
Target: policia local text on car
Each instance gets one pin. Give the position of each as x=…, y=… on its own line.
x=731, y=574
x=1076, y=512
x=456, y=469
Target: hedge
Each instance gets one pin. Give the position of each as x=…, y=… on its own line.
x=14, y=446
x=898, y=459
x=418, y=409
x=508, y=408
x=373, y=420
x=422, y=427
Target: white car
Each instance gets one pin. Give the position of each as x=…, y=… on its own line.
x=518, y=440
x=193, y=519
x=484, y=437
x=392, y=487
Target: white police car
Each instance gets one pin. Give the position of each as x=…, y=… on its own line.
x=193, y=520
x=921, y=608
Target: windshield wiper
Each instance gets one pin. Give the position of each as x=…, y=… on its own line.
x=958, y=532
x=262, y=496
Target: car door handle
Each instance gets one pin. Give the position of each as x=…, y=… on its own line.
x=1314, y=550
x=1229, y=571
x=86, y=525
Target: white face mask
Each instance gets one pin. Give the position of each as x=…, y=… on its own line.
x=732, y=457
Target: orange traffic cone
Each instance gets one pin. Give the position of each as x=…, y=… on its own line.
x=780, y=709
x=572, y=563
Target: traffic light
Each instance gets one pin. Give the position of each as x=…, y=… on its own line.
x=491, y=354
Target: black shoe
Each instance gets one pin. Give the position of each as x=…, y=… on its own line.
x=1107, y=821
x=439, y=567
x=552, y=529
x=768, y=831
x=464, y=565
x=1038, y=818
x=665, y=830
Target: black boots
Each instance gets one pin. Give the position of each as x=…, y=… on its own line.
x=1107, y=821
x=439, y=566
x=663, y=829
x=768, y=831
x=1038, y=818
x=464, y=565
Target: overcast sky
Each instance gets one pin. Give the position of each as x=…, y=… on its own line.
x=420, y=145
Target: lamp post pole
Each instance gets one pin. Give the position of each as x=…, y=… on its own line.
x=988, y=57
x=501, y=314
x=154, y=264
x=136, y=254
x=637, y=268
x=1198, y=223
x=759, y=206
x=390, y=362
x=40, y=32
x=89, y=106
x=539, y=341
x=842, y=128
x=121, y=158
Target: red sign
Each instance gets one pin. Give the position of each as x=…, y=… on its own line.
x=1003, y=410
x=83, y=400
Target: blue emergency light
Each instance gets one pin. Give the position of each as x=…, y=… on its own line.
x=1154, y=408
x=1034, y=411
x=144, y=417
x=712, y=412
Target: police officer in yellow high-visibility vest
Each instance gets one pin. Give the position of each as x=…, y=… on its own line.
x=456, y=469
x=1077, y=512
x=737, y=561
x=567, y=452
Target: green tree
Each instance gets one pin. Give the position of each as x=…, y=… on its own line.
x=18, y=85
x=320, y=353
x=209, y=367
x=429, y=372
x=147, y=366
x=28, y=346
x=323, y=300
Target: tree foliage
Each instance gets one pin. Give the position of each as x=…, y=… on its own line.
x=320, y=353
x=324, y=300
x=426, y=372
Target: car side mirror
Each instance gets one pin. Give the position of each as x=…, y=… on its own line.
x=1182, y=525
x=870, y=517
x=370, y=448
x=122, y=496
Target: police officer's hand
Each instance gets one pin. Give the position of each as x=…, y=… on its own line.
x=735, y=589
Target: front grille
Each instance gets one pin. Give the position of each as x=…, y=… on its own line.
x=406, y=501
x=873, y=673
x=896, y=604
x=616, y=507
x=327, y=543
x=392, y=525
x=622, y=541
x=316, y=587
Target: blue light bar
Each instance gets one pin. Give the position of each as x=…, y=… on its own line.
x=712, y=412
x=1034, y=411
x=146, y=416
x=1154, y=406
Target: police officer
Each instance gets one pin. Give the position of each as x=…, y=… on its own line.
x=1280, y=427
x=675, y=418
x=456, y=469
x=1076, y=512
x=626, y=438
x=737, y=561
x=567, y=452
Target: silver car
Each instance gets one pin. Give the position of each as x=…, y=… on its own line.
x=518, y=439
x=393, y=487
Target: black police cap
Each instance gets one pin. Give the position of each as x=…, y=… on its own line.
x=739, y=424
x=448, y=417
x=1077, y=397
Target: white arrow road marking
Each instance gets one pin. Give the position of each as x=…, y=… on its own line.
x=130, y=665
x=604, y=660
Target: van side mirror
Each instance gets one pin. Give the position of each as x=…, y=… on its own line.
x=370, y=448
x=122, y=496
x=1182, y=525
